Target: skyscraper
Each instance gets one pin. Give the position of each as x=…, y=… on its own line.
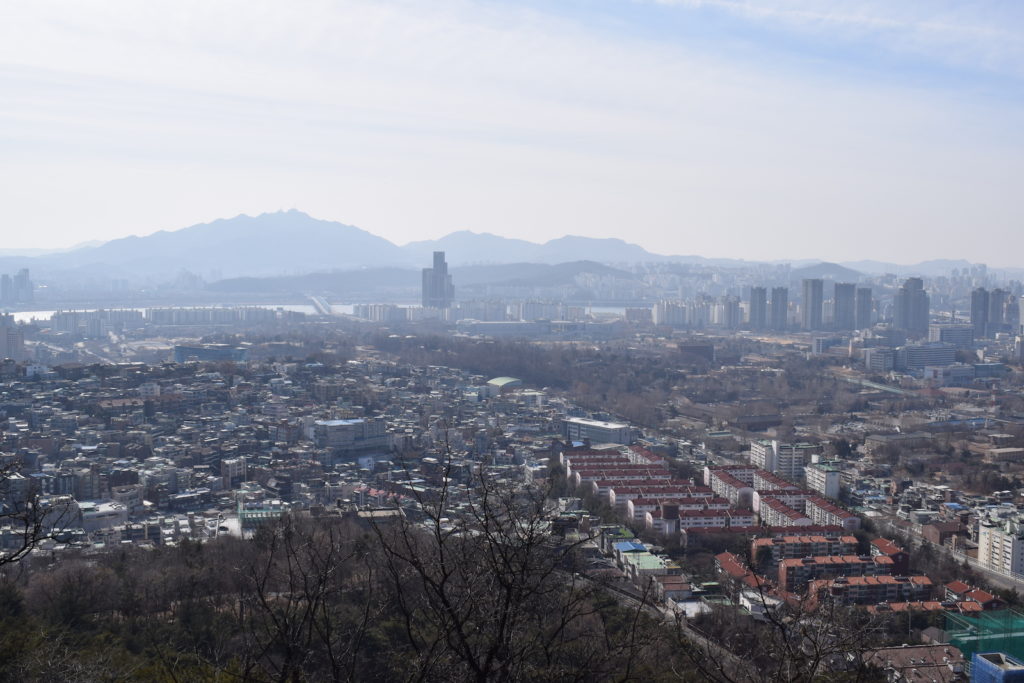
x=844, y=314
x=1012, y=316
x=911, y=307
x=810, y=308
x=438, y=290
x=979, y=312
x=779, y=319
x=758, y=307
x=997, y=311
x=727, y=312
x=864, y=304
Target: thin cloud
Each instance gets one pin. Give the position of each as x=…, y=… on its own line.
x=980, y=35
x=413, y=120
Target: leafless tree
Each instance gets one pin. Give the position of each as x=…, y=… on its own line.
x=27, y=515
x=486, y=593
x=306, y=597
x=795, y=640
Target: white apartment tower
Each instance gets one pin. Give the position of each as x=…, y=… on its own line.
x=1001, y=546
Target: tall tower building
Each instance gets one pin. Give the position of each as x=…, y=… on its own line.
x=23, y=287
x=758, y=308
x=844, y=310
x=779, y=315
x=438, y=290
x=911, y=307
x=729, y=312
x=12, y=339
x=1012, y=318
x=997, y=310
x=862, y=319
x=979, y=312
x=810, y=308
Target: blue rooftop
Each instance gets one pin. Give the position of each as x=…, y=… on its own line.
x=629, y=547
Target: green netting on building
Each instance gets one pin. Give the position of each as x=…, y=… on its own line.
x=996, y=631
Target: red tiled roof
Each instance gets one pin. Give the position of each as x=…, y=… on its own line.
x=886, y=546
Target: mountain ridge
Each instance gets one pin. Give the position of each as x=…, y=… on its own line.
x=292, y=242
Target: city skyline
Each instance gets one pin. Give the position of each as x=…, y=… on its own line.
x=727, y=129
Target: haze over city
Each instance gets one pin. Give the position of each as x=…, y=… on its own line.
x=759, y=130
x=481, y=340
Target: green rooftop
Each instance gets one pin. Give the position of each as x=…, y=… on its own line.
x=996, y=631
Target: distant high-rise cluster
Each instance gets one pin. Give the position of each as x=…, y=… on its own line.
x=438, y=290
x=993, y=312
x=16, y=290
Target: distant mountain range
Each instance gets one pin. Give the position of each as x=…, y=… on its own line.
x=291, y=243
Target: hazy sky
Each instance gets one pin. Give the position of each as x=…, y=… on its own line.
x=758, y=129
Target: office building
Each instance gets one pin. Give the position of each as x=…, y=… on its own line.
x=347, y=436
x=915, y=357
x=758, y=308
x=911, y=308
x=438, y=290
x=596, y=431
x=811, y=306
x=879, y=359
x=843, y=306
x=779, y=314
x=960, y=335
x=211, y=353
x=862, y=317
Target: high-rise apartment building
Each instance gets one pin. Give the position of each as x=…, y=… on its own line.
x=16, y=290
x=12, y=339
x=758, y=308
x=667, y=313
x=785, y=459
x=438, y=290
x=911, y=308
x=862, y=318
x=979, y=312
x=843, y=308
x=730, y=312
x=997, y=299
x=779, y=314
x=824, y=478
x=1001, y=546
x=811, y=307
